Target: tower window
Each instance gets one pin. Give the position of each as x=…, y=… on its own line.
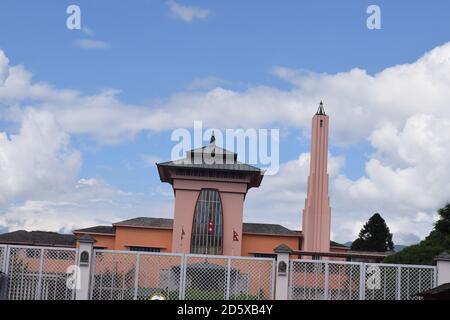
x=207, y=228
x=321, y=123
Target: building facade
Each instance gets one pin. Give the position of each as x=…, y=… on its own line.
x=210, y=187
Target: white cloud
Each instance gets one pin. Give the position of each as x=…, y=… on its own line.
x=85, y=203
x=205, y=83
x=4, y=67
x=402, y=112
x=36, y=160
x=88, y=31
x=91, y=44
x=187, y=13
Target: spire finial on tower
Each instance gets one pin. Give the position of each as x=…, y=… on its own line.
x=321, y=110
x=213, y=138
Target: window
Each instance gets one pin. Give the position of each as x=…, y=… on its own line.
x=145, y=249
x=207, y=227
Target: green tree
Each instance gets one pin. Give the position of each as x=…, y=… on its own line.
x=437, y=242
x=374, y=236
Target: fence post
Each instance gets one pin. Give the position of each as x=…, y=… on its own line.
x=326, y=281
x=362, y=283
x=85, y=252
x=281, y=289
x=443, y=268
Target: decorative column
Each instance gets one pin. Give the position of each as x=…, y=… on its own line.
x=281, y=285
x=317, y=212
x=443, y=268
x=85, y=254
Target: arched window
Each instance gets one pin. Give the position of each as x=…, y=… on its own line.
x=207, y=228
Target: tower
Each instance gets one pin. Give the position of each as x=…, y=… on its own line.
x=317, y=212
x=210, y=186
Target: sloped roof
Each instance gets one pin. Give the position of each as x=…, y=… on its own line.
x=41, y=238
x=339, y=245
x=263, y=228
x=147, y=222
x=256, y=228
x=97, y=229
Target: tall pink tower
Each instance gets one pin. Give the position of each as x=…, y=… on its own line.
x=317, y=212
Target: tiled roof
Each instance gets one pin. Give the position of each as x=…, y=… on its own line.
x=237, y=166
x=147, y=222
x=263, y=228
x=259, y=228
x=335, y=244
x=97, y=229
x=41, y=238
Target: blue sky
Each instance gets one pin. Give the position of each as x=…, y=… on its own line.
x=155, y=59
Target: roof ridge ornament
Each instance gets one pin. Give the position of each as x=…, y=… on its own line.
x=213, y=138
x=321, y=110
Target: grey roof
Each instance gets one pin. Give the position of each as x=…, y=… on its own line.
x=147, y=222
x=236, y=166
x=259, y=228
x=335, y=244
x=97, y=229
x=444, y=256
x=264, y=228
x=41, y=238
x=321, y=110
x=86, y=238
x=282, y=248
x=442, y=289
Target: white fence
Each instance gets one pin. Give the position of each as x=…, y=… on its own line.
x=43, y=273
x=332, y=280
x=125, y=275
x=37, y=273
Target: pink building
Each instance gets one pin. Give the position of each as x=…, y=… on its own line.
x=210, y=187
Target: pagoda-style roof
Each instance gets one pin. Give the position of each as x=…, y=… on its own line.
x=207, y=159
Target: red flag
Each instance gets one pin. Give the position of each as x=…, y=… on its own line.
x=210, y=227
x=235, y=236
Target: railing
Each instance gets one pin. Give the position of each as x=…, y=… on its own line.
x=336, y=280
x=48, y=273
x=38, y=273
x=125, y=275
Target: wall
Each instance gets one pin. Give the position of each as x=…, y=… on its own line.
x=186, y=195
x=102, y=240
x=253, y=243
x=143, y=237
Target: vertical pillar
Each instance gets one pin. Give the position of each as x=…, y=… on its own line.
x=85, y=255
x=281, y=285
x=443, y=268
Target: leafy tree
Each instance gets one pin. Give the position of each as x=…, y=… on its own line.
x=437, y=242
x=374, y=236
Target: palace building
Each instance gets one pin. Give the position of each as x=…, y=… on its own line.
x=210, y=186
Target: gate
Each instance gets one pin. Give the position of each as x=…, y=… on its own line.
x=336, y=280
x=125, y=275
x=38, y=273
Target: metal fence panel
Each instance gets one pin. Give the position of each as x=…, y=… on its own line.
x=307, y=281
x=3, y=258
x=39, y=273
x=344, y=281
x=124, y=275
x=334, y=280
